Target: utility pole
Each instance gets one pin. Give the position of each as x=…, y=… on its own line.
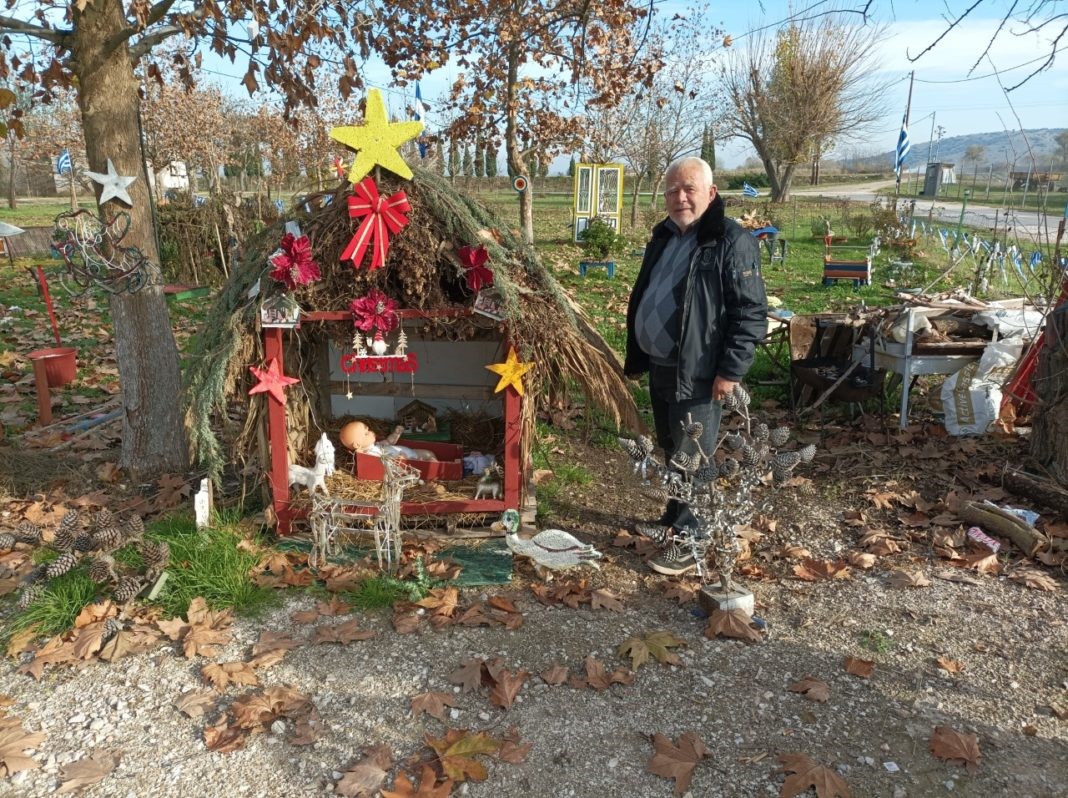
x=905, y=132
x=930, y=141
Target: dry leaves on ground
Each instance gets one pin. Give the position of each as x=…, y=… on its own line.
x=456, y=752
x=812, y=688
x=254, y=712
x=859, y=559
x=598, y=678
x=1034, y=579
x=811, y=570
x=804, y=774
x=949, y=665
x=223, y=674
x=677, y=761
x=909, y=579
x=203, y=631
x=341, y=633
x=428, y=786
x=655, y=644
x=87, y=772
x=14, y=742
x=731, y=623
x=603, y=599
x=859, y=667
x=432, y=703
x=506, y=686
x=195, y=703
x=952, y=746
x=365, y=778
x=682, y=592
x=555, y=674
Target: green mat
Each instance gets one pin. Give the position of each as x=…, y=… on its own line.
x=488, y=563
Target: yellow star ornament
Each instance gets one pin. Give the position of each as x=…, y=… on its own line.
x=376, y=140
x=511, y=372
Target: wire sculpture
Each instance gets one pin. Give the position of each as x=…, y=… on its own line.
x=95, y=257
x=719, y=495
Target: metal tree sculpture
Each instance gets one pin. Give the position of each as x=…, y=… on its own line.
x=718, y=495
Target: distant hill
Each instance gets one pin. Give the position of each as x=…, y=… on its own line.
x=1000, y=148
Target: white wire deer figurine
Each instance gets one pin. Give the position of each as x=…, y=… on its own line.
x=313, y=478
x=397, y=478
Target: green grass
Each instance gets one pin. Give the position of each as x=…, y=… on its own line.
x=57, y=607
x=877, y=641
x=40, y=211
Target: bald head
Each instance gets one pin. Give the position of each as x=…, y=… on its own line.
x=688, y=191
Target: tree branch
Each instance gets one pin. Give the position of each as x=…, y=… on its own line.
x=944, y=33
x=12, y=25
x=148, y=41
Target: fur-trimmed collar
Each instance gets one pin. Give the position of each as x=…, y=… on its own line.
x=711, y=224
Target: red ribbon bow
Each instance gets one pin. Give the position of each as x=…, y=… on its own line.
x=381, y=219
x=474, y=260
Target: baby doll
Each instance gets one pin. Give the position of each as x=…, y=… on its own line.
x=358, y=437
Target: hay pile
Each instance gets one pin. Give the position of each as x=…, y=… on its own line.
x=421, y=273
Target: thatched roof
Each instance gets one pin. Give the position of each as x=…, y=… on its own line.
x=421, y=272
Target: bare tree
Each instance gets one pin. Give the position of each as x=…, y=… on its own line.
x=802, y=90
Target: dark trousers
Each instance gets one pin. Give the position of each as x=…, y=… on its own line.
x=669, y=414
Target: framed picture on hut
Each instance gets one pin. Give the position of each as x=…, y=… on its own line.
x=490, y=302
x=280, y=310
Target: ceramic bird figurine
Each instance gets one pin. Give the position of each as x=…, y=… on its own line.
x=551, y=549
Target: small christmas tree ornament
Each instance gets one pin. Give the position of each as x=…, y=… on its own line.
x=375, y=314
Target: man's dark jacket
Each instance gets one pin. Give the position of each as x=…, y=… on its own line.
x=724, y=310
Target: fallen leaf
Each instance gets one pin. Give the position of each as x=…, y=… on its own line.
x=14, y=741
x=224, y=738
x=222, y=674
x=555, y=674
x=87, y=772
x=793, y=552
x=952, y=746
x=732, y=623
x=195, y=703
x=365, y=778
x=656, y=644
x=468, y=675
x=677, y=761
x=949, y=665
x=598, y=677
x=506, y=686
x=984, y=563
x=512, y=750
x=812, y=688
x=815, y=570
x=603, y=599
x=803, y=774
x=405, y=623
x=682, y=592
x=859, y=559
x=309, y=728
x=428, y=786
x=1034, y=579
x=347, y=632
x=859, y=667
x=456, y=752
x=442, y=601
x=909, y=579
x=432, y=704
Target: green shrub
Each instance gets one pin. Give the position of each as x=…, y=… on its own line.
x=755, y=179
x=600, y=241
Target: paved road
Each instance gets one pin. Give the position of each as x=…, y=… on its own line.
x=1030, y=226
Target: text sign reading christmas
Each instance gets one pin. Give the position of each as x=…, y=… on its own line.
x=351, y=363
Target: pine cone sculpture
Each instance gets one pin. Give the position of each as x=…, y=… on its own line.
x=779, y=475
x=737, y=401
x=107, y=539
x=639, y=449
x=155, y=553
x=127, y=589
x=787, y=460
x=693, y=429
x=66, y=532
x=761, y=432
x=29, y=533
x=807, y=453
x=29, y=594
x=112, y=626
x=729, y=468
x=683, y=461
x=750, y=456
x=779, y=436
x=61, y=565
x=103, y=519
x=706, y=473
x=84, y=543
x=133, y=529
x=7, y=541
x=102, y=569
x=734, y=442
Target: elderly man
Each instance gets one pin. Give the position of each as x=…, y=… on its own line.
x=696, y=313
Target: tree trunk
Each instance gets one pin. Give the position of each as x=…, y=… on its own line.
x=1049, y=435
x=153, y=438
x=12, y=198
x=638, y=179
x=782, y=192
x=516, y=159
x=656, y=190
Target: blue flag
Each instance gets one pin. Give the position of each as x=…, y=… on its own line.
x=63, y=163
x=749, y=191
x=420, y=113
x=903, y=147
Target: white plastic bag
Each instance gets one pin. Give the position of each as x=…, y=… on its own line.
x=1011, y=321
x=971, y=398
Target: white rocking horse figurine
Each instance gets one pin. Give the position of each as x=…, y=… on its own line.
x=312, y=478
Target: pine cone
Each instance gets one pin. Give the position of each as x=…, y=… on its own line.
x=706, y=473
x=693, y=429
x=38, y=574
x=7, y=541
x=734, y=441
x=639, y=449
x=807, y=453
x=750, y=456
x=133, y=529
x=787, y=460
x=112, y=626
x=779, y=436
x=761, y=432
x=103, y=519
x=107, y=539
x=738, y=400
x=28, y=532
x=729, y=468
x=66, y=532
x=29, y=594
x=102, y=569
x=155, y=553
x=779, y=475
x=61, y=565
x=127, y=589
x=84, y=543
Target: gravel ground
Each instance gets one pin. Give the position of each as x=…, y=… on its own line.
x=1010, y=639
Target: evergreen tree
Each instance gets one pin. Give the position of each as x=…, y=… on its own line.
x=491, y=159
x=439, y=156
x=480, y=157
x=711, y=150
x=454, y=158
x=543, y=166
x=571, y=167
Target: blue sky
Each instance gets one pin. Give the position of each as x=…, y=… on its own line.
x=963, y=104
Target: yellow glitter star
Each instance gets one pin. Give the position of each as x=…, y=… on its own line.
x=376, y=140
x=511, y=372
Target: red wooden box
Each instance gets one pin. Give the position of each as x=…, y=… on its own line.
x=448, y=466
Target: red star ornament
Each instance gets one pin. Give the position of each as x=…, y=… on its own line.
x=272, y=381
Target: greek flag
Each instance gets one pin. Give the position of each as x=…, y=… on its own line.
x=903, y=147
x=63, y=163
x=749, y=191
x=420, y=114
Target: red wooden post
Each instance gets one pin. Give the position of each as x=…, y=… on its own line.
x=276, y=434
x=513, y=435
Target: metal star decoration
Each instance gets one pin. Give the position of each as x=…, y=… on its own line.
x=511, y=371
x=272, y=381
x=112, y=184
x=376, y=140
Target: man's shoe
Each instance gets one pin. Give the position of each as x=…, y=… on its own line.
x=673, y=562
x=655, y=532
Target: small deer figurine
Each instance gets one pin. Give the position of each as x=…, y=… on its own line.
x=313, y=478
x=489, y=482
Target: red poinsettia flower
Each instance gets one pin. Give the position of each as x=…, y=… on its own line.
x=294, y=265
x=474, y=260
x=375, y=312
